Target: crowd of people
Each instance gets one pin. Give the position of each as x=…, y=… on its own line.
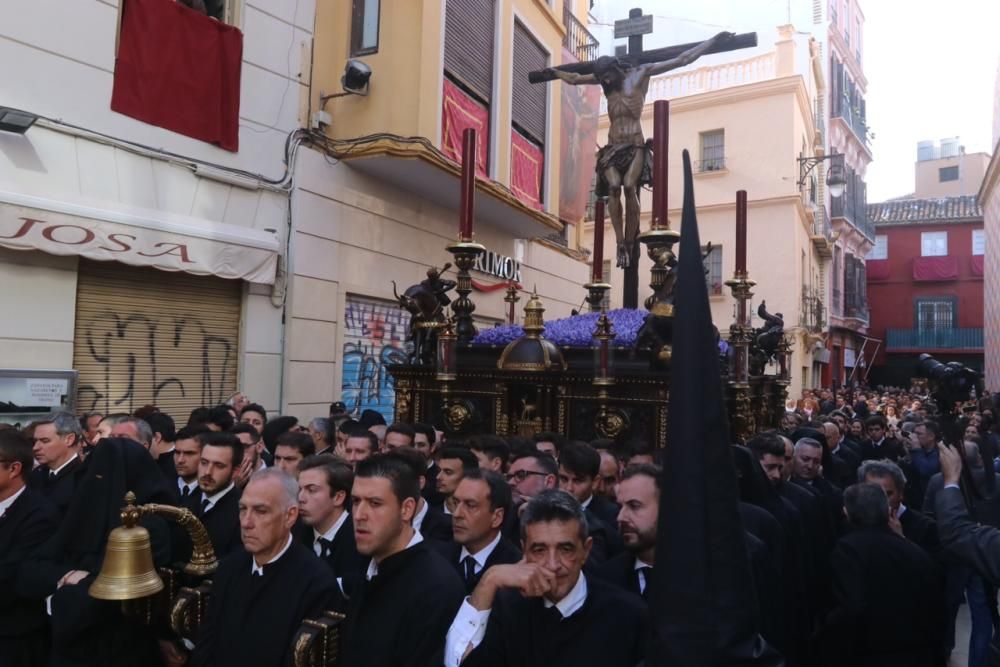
x=490, y=550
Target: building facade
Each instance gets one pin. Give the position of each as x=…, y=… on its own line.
x=746, y=122
x=143, y=215
x=925, y=285
x=989, y=198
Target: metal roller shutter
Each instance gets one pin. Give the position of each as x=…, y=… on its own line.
x=147, y=336
x=468, y=45
x=529, y=99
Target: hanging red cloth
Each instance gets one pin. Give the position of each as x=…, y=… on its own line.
x=935, y=268
x=526, y=164
x=877, y=269
x=459, y=111
x=179, y=70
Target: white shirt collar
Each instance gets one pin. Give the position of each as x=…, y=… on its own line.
x=212, y=500
x=373, y=566
x=259, y=569
x=571, y=604
x=586, y=503
x=59, y=469
x=261, y=464
x=418, y=518
x=901, y=511
x=641, y=564
x=332, y=533
x=444, y=507
x=483, y=554
x=5, y=504
x=191, y=486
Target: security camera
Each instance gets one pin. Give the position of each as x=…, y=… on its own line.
x=356, y=76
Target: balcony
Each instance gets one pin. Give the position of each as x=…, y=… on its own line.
x=854, y=119
x=578, y=39
x=812, y=317
x=856, y=306
x=852, y=206
x=934, y=339
x=822, y=232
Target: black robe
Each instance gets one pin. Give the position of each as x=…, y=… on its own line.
x=343, y=559
x=252, y=620
x=165, y=462
x=620, y=571
x=608, y=630
x=222, y=522
x=889, y=603
x=504, y=553
x=26, y=524
x=400, y=617
x=890, y=448
x=59, y=489
x=922, y=531
x=436, y=524
x=605, y=509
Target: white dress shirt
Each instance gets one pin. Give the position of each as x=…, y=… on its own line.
x=418, y=518
x=639, y=565
x=215, y=498
x=373, y=566
x=55, y=473
x=191, y=486
x=330, y=534
x=259, y=569
x=5, y=504
x=482, y=556
x=469, y=627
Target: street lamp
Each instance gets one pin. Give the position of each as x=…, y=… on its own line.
x=15, y=121
x=836, y=179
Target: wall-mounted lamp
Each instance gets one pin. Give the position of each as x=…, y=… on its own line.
x=836, y=179
x=354, y=81
x=13, y=120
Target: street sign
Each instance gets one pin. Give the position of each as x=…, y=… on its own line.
x=640, y=25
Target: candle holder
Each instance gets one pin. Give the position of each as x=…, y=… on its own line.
x=740, y=331
x=659, y=242
x=465, y=252
x=604, y=352
x=447, y=350
x=596, y=293
x=511, y=298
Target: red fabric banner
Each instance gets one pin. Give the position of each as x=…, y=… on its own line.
x=977, y=265
x=526, y=164
x=460, y=112
x=180, y=70
x=935, y=268
x=486, y=287
x=877, y=269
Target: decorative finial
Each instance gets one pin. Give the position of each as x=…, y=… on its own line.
x=534, y=324
x=130, y=513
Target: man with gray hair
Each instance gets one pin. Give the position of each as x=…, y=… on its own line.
x=908, y=523
x=888, y=595
x=57, y=449
x=807, y=471
x=320, y=431
x=545, y=610
x=261, y=596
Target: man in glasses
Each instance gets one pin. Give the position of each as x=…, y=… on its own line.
x=530, y=474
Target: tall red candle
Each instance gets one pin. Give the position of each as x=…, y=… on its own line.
x=597, y=272
x=467, y=207
x=661, y=150
x=741, y=232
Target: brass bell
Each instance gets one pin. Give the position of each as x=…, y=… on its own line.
x=128, y=572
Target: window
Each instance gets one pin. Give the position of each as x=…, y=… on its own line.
x=947, y=174
x=978, y=242
x=934, y=244
x=935, y=313
x=364, y=27
x=713, y=270
x=713, y=151
x=881, y=249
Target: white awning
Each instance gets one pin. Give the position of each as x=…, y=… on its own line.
x=140, y=237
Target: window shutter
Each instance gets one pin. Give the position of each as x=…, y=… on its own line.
x=468, y=45
x=529, y=99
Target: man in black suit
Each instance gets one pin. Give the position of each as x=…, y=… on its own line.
x=27, y=519
x=164, y=433
x=579, y=466
x=639, y=492
x=482, y=501
x=325, y=523
x=879, y=445
x=453, y=463
x=262, y=593
x=887, y=592
x=492, y=451
x=425, y=442
x=907, y=522
x=221, y=455
x=58, y=440
x=187, y=457
x=430, y=521
x=408, y=589
x=807, y=466
x=545, y=610
x=842, y=464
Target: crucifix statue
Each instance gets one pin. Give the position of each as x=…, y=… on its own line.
x=624, y=165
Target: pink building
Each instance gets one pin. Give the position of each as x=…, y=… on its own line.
x=989, y=197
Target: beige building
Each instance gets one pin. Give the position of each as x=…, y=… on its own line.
x=745, y=123
x=945, y=170
x=989, y=198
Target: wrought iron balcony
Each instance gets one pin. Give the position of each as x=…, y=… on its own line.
x=854, y=120
x=934, y=339
x=812, y=317
x=856, y=306
x=578, y=39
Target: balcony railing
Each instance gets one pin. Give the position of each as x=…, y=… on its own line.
x=934, y=339
x=813, y=314
x=856, y=306
x=821, y=223
x=711, y=164
x=853, y=207
x=854, y=120
x=578, y=39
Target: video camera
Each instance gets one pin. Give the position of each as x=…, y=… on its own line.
x=951, y=383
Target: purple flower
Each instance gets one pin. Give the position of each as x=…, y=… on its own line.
x=576, y=331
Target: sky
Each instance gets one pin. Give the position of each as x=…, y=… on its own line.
x=931, y=66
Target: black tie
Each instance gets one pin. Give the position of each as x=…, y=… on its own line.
x=470, y=569
x=185, y=491
x=647, y=573
x=204, y=505
x=325, y=547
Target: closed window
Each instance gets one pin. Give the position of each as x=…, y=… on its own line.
x=978, y=242
x=935, y=314
x=713, y=270
x=364, y=27
x=946, y=174
x=713, y=151
x=881, y=249
x=934, y=244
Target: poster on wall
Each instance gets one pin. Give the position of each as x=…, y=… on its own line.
x=374, y=337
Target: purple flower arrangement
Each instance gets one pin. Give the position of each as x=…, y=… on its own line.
x=576, y=331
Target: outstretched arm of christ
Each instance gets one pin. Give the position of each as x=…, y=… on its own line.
x=686, y=58
x=571, y=78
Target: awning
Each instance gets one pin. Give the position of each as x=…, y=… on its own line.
x=140, y=237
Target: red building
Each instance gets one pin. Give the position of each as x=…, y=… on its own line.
x=925, y=284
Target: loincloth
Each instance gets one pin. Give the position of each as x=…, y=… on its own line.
x=619, y=157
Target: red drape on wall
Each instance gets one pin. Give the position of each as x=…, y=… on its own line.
x=180, y=70
x=977, y=265
x=877, y=269
x=460, y=112
x=935, y=268
x=526, y=167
